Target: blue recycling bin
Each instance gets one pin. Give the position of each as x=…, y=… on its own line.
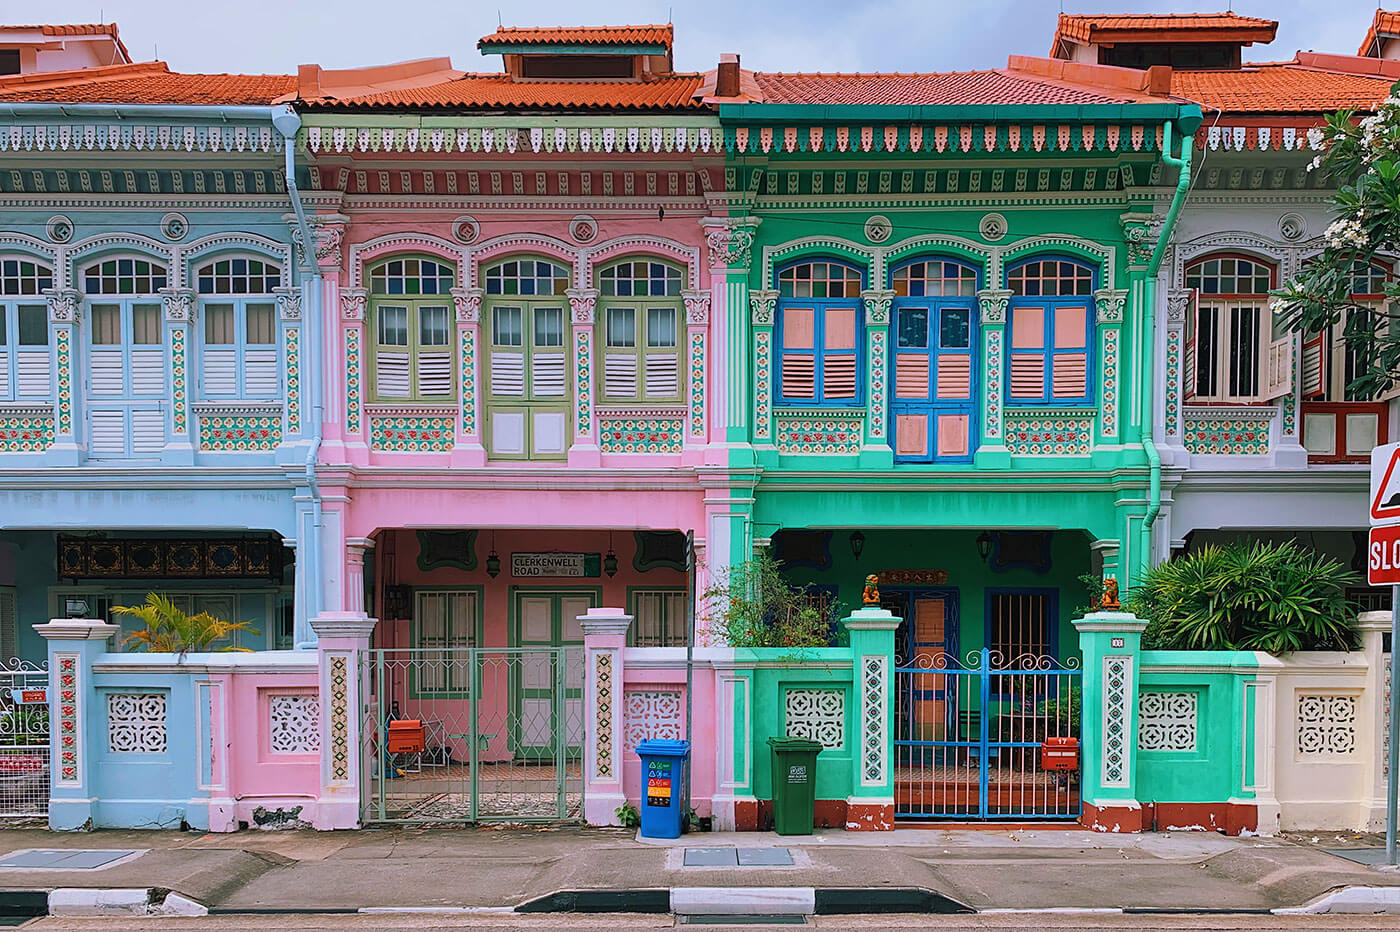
x=664, y=783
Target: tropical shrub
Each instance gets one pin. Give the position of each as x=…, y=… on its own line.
x=1062, y=713
x=172, y=631
x=755, y=606
x=1247, y=596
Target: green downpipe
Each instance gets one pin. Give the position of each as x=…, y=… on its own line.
x=1188, y=123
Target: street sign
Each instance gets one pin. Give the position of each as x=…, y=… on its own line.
x=1383, y=556
x=1385, y=484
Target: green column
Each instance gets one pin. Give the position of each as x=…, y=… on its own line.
x=876, y=450
x=991, y=449
x=1110, y=643
x=1112, y=364
x=763, y=304
x=871, y=803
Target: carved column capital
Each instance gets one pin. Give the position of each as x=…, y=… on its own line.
x=65, y=306
x=762, y=305
x=468, y=304
x=1110, y=303
x=352, y=304
x=1178, y=303
x=877, y=307
x=328, y=231
x=993, y=302
x=730, y=241
x=288, y=303
x=582, y=301
x=697, y=306
x=179, y=304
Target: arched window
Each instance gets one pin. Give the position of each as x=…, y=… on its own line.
x=1052, y=328
x=935, y=318
x=410, y=318
x=1231, y=352
x=641, y=313
x=527, y=385
x=24, y=329
x=126, y=356
x=239, y=324
x=819, y=325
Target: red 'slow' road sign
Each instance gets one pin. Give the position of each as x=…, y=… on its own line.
x=1383, y=556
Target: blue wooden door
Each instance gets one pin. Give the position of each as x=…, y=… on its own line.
x=935, y=380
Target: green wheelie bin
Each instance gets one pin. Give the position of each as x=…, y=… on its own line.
x=794, y=784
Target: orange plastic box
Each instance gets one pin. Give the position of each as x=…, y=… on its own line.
x=406, y=737
x=1059, y=754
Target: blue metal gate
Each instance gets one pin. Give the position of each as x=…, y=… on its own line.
x=969, y=733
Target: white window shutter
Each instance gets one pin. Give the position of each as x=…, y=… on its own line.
x=391, y=374
x=147, y=371
x=434, y=373
x=508, y=433
x=1278, y=375
x=220, y=371
x=547, y=431
x=4, y=368
x=108, y=433
x=547, y=375
x=34, y=373
x=620, y=375
x=508, y=374
x=662, y=378
x=147, y=430
x=260, y=376
x=107, y=372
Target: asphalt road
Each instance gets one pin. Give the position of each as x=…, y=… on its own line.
x=1040, y=921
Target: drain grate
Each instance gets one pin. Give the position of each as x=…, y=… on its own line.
x=738, y=857
x=65, y=859
x=775, y=920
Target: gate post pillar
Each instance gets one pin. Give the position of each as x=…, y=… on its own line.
x=74, y=643
x=604, y=638
x=342, y=637
x=871, y=803
x=1110, y=643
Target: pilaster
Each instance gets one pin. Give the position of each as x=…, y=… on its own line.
x=179, y=305
x=353, y=352
x=65, y=315
x=729, y=245
x=604, y=640
x=991, y=451
x=289, y=315
x=584, y=449
x=468, y=449
x=871, y=804
x=1110, y=643
x=763, y=304
x=342, y=639
x=1173, y=369
x=876, y=451
x=1109, y=305
x=696, y=355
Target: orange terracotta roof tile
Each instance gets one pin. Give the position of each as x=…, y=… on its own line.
x=965, y=87
x=1383, y=23
x=1163, y=27
x=579, y=35
x=502, y=92
x=1280, y=88
x=145, y=83
x=77, y=29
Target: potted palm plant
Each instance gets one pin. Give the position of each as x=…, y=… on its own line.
x=168, y=629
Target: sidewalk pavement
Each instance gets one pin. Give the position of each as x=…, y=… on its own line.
x=507, y=866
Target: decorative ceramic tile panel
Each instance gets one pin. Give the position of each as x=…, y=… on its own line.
x=294, y=724
x=468, y=380
x=993, y=372
x=640, y=434
x=63, y=349
x=178, y=380
x=240, y=432
x=69, y=734
x=411, y=434
x=292, y=345
x=603, y=710
x=340, y=718
x=1167, y=721
x=26, y=434
x=697, y=384
x=352, y=380
x=1110, y=381
x=1173, y=385
x=583, y=380
x=1117, y=678
x=818, y=715
x=136, y=723
x=1326, y=725
x=874, y=704
x=1226, y=435
x=876, y=411
x=652, y=713
x=762, y=383
x=819, y=434
x=1289, y=404
x=1046, y=435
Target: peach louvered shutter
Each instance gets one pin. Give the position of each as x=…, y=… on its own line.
x=1028, y=353
x=1069, y=366
x=839, y=354
x=799, y=357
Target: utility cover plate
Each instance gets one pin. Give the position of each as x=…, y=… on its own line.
x=1371, y=856
x=710, y=857
x=765, y=857
x=64, y=859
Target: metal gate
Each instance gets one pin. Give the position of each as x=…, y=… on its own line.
x=24, y=740
x=473, y=734
x=968, y=736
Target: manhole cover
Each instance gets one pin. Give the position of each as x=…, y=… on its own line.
x=738, y=857
x=765, y=857
x=744, y=920
x=711, y=857
x=1371, y=856
x=65, y=859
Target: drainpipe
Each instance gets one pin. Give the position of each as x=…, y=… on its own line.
x=286, y=121
x=1188, y=124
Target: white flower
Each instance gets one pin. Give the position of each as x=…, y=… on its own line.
x=1315, y=163
x=1345, y=233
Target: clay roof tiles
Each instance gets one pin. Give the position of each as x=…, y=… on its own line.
x=953, y=88
x=145, y=83
x=1384, y=22
x=501, y=92
x=1164, y=27
x=78, y=29
x=1284, y=87
x=580, y=35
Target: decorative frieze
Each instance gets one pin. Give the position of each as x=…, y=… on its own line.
x=178, y=381
x=411, y=433
x=803, y=432
x=1167, y=721
x=142, y=137
x=1109, y=372
x=28, y=429
x=583, y=376
x=619, y=433
x=239, y=432
x=1226, y=435
x=762, y=384
x=468, y=377
x=352, y=380
x=291, y=345
x=1049, y=433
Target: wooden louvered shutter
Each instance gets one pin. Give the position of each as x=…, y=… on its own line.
x=434, y=365
x=4, y=368
x=1189, y=351
x=548, y=362
x=1069, y=367
x=954, y=376
x=620, y=353
x=508, y=373
x=108, y=434
x=547, y=371
x=799, y=358
x=147, y=430
x=661, y=365
x=663, y=380
x=1028, y=352
x=33, y=372
x=1278, y=360
x=839, y=354
x=261, y=371
x=147, y=371
x=391, y=373
x=1314, y=365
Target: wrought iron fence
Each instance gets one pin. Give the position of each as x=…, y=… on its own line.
x=473, y=734
x=969, y=736
x=24, y=740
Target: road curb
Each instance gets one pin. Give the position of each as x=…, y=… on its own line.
x=1354, y=899
x=738, y=901
x=119, y=901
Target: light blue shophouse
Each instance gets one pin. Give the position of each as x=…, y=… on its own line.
x=158, y=373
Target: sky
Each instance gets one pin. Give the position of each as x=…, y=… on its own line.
x=274, y=36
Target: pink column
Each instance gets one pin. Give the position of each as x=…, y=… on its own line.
x=696, y=354
x=352, y=352
x=341, y=639
x=584, y=450
x=355, y=548
x=604, y=638
x=468, y=450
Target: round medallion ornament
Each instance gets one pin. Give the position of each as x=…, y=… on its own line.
x=583, y=229
x=1292, y=227
x=878, y=229
x=59, y=229
x=174, y=227
x=466, y=229
x=993, y=227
